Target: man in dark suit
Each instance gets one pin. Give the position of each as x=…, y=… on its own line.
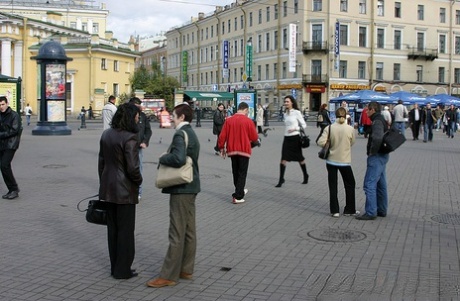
x=415, y=118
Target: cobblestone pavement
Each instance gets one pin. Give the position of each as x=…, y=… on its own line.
x=279, y=245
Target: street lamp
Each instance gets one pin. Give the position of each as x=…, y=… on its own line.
x=249, y=60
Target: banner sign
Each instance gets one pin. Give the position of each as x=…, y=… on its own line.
x=184, y=65
x=292, y=47
x=249, y=59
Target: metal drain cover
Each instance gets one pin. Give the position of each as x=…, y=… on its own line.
x=447, y=218
x=337, y=235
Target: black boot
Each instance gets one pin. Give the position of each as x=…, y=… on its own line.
x=305, y=175
x=281, y=180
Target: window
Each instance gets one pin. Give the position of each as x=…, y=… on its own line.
x=212, y=31
x=318, y=5
x=250, y=19
x=442, y=43
x=235, y=49
x=116, y=66
x=229, y=26
x=73, y=25
x=268, y=13
x=116, y=90
x=267, y=71
x=362, y=6
x=441, y=73
x=275, y=8
x=397, y=9
x=241, y=22
x=241, y=47
x=103, y=64
x=419, y=73
x=457, y=45
x=457, y=75
x=223, y=27
x=275, y=39
x=296, y=6
x=420, y=41
x=235, y=27
x=361, y=70
x=397, y=39
x=362, y=36
x=267, y=41
x=84, y=26
x=316, y=70
x=259, y=43
x=380, y=38
x=457, y=17
x=343, y=34
x=344, y=5
x=379, y=71
x=285, y=38
x=260, y=16
x=420, y=12
x=343, y=69
x=442, y=15
x=259, y=72
x=95, y=27
x=207, y=33
x=285, y=8
x=212, y=53
x=380, y=8
x=396, y=71
x=283, y=71
x=317, y=35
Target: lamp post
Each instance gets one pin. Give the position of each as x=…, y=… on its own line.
x=249, y=61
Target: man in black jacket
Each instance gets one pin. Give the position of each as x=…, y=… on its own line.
x=145, y=132
x=10, y=135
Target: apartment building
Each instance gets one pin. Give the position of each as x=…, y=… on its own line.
x=341, y=46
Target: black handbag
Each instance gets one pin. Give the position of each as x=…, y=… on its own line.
x=304, y=138
x=392, y=139
x=325, y=150
x=96, y=212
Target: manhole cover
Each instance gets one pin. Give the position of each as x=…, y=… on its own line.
x=451, y=219
x=337, y=235
x=54, y=166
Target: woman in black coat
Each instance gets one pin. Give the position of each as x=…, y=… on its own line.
x=218, y=123
x=120, y=177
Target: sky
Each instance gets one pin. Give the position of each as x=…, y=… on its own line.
x=151, y=17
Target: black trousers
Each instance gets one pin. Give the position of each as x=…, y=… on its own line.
x=415, y=127
x=120, y=234
x=6, y=156
x=240, y=166
x=349, y=183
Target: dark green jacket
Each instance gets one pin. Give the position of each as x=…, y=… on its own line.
x=176, y=157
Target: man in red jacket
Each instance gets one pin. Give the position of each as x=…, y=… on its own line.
x=235, y=140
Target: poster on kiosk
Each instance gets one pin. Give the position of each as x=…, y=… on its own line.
x=249, y=97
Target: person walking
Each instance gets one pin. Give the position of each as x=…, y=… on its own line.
x=386, y=115
x=28, y=112
x=291, y=149
x=400, y=117
x=451, y=118
x=438, y=113
x=108, y=111
x=145, y=132
x=428, y=121
x=365, y=121
x=260, y=118
x=323, y=119
x=90, y=113
x=341, y=137
x=415, y=120
x=10, y=136
x=180, y=257
x=120, y=178
x=218, y=122
x=236, y=140
x=375, y=183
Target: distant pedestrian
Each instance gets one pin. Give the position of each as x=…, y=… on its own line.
x=266, y=115
x=10, y=136
x=108, y=111
x=415, y=119
x=291, y=149
x=365, y=121
x=235, y=141
x=386, y=115
x=198, y=114
x=90, y=112
x=400, y=117
x=28, y=112
x=428, y=121
x=260, y=118
x=451, y=117
x=323, y=119
x=218, y=120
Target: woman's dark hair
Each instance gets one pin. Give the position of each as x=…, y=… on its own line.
x=323, y=106
x=295, y=106
x=184, y=109
x=125, y=118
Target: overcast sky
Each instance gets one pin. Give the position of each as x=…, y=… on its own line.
x=150, y=17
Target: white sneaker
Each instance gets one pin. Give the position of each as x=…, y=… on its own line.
x=335, y=215
x=352, y=214
x=235, y=201
x=245, y=191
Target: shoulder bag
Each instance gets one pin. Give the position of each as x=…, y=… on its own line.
x=325, y=150
x=168, y=176
x=392, y=139
x=96, y=212
x=304, y=138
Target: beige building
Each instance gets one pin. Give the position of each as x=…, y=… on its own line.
x=341, y=46
x=100, y=66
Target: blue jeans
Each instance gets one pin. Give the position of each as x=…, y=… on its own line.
x=375, y=184
x=401, y=126
x=427, y=132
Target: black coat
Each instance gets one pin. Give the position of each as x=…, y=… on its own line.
x=218, y=122
x=145, y=131
x=118, y=166
x=10, y=130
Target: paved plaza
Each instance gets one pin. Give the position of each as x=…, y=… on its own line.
x=281, y=244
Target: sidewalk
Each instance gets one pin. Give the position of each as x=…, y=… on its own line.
x=279, y=245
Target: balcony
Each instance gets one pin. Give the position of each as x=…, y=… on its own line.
x=314, y=47
x=426, y=54
x=308, y=79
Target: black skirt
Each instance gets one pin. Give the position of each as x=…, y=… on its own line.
x=292, y=151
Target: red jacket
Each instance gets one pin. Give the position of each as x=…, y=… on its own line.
x=237, y=134
x=365, y=120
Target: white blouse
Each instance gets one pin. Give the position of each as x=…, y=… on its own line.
x=292, y=121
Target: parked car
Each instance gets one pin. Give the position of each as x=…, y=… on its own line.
x=207, y=113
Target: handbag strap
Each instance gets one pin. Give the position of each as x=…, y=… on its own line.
x=186, y=140
x=329, y=134
x=78, y=205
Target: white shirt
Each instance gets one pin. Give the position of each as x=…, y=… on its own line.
x=26, y=110
x=293, y=121
x=107, y=114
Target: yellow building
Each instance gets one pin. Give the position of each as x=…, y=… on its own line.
x=100, y=67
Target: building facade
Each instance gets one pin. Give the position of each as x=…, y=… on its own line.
x=341, y=46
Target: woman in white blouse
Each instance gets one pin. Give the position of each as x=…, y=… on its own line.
x=291, y=150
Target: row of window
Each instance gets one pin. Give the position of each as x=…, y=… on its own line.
x=104, y=65
x=84, y=26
